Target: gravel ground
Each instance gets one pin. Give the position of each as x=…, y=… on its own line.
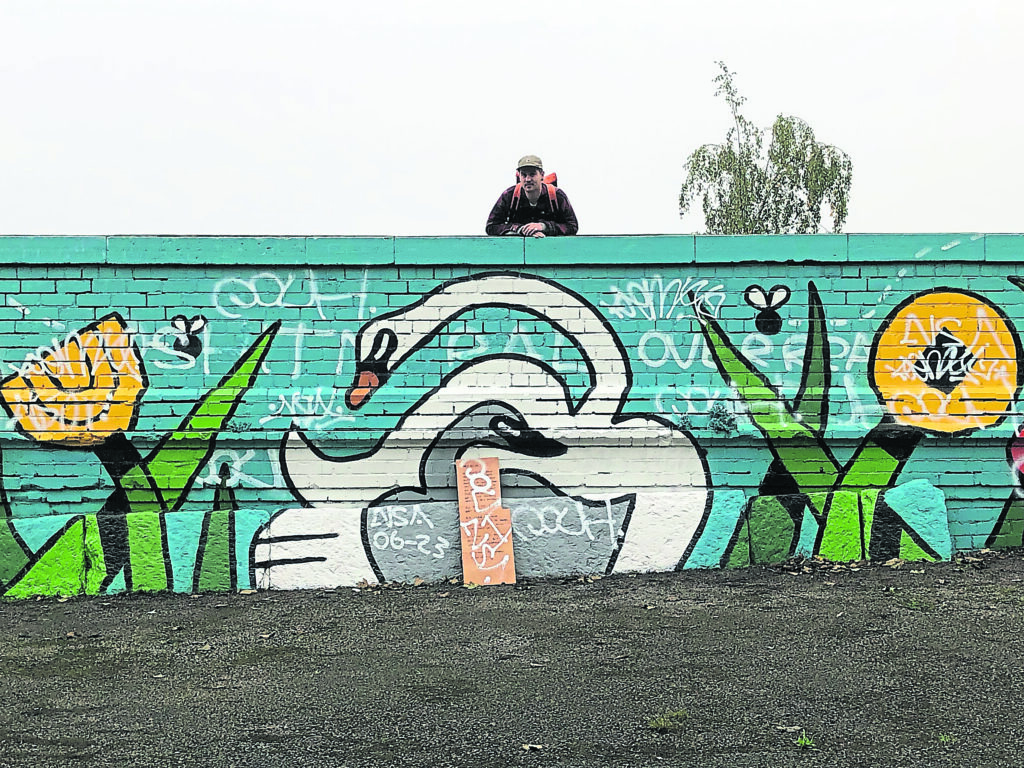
x=874, y=666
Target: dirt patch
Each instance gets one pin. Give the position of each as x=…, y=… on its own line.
x=810, y=664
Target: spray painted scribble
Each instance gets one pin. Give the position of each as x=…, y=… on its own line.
x=486, y=526
x=656, y=299
x=947, y=361
x=79, y=392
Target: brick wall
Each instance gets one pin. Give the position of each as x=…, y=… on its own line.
x=227, y=413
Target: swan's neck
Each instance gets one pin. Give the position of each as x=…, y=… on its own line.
x=568, y=313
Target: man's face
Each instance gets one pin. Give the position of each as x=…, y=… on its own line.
x=530, y=177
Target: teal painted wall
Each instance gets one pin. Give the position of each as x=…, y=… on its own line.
x=165, y=470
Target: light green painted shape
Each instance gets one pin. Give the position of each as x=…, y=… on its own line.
x=146, y=548
x=740, y=556
x=841, y=538
x=59, y=568
x=909, y=550
x=868, y=502
x=95, y=565
x=670, y=252
x=771, y=530
x=215, y=566
x=874, y=467
x=734, y=249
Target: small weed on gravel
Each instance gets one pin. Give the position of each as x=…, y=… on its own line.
x=670, y=721
x=804, y=741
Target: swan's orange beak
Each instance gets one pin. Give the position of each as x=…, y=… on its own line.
x=362, y=389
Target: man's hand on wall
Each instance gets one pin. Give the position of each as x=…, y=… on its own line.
x=533, y=229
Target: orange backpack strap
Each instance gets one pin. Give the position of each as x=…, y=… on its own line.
x=552, y=196
x=514, y=205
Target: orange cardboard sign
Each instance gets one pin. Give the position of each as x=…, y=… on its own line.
x=485, y=525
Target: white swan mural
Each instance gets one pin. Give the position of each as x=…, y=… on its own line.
x=326, y=545
x=606, y=456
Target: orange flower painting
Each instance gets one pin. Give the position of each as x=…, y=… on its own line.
x=946, y=361
x=81, y=392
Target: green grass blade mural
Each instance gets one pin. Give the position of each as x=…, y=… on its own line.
x=810, y=403
x=795, y=441
x=942, y=362
x=128, y=537
x=160, y=482
x=215, y=569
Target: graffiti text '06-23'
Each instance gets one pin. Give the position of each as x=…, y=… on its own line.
x=204, y=414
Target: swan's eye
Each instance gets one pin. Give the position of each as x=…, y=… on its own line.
x=384, y=343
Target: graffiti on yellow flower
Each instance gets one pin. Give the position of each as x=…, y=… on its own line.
x=946, y=361
x=82, y=391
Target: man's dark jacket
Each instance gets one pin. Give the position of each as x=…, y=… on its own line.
x=504, y=221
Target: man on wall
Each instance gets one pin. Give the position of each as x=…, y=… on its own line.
x=532, y=208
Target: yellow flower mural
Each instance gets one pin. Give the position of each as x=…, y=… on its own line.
x=81, y=392
x=946, y=361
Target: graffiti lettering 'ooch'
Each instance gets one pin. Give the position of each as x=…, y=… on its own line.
x=304, y=429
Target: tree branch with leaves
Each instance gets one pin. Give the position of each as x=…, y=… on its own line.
x=746, y=188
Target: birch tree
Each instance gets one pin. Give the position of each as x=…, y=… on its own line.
x=766, y=181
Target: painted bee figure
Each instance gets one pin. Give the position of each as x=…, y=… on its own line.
x=767, y=321
x=186, y=331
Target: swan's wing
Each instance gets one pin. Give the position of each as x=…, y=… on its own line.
x=318, y=480
x=660, y=529
x=311, y=548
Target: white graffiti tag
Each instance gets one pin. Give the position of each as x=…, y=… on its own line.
x=267, y=290
x=655, y=299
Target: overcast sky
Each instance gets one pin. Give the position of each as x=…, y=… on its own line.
x=395, y=117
